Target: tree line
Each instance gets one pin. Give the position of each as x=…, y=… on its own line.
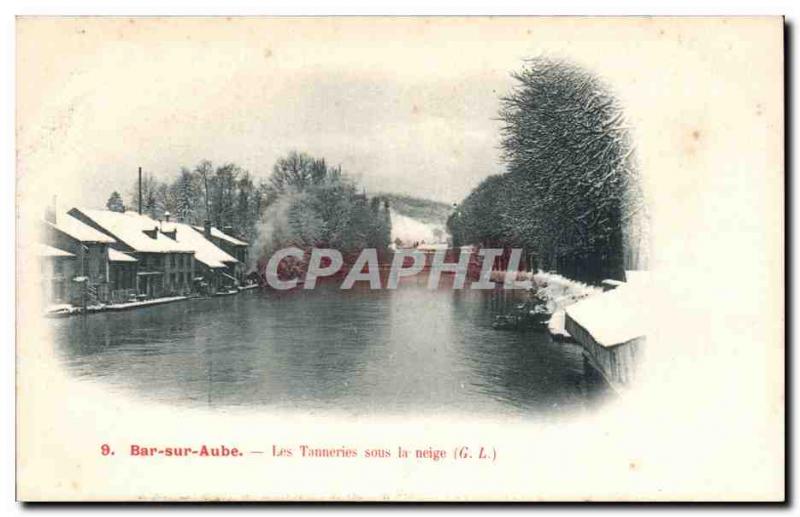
x=570, y=195
x=225, y=195
x=304, y=202
x=310, y=204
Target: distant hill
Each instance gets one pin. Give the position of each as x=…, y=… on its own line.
x=423, y=210
x=417, y=220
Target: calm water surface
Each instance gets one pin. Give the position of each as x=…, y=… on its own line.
x=358, y=351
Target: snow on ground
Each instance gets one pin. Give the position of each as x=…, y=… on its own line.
x=65, y=308
x=410, y=230
x=557, y=293
x=611, y=317
x=60, y=308
x=143, y=303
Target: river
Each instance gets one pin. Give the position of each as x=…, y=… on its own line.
x=323, y=350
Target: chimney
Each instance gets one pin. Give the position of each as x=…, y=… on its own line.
x=170, y=231
x=140, y=191
x=207, y=228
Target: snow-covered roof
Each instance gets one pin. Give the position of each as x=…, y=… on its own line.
x=118, y=256
x=613, y=317
x=215, y=232
x=78, y=230
x=204, y=250
x=129, y=227
x=49, y=251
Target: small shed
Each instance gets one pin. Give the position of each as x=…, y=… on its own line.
x=611, y=329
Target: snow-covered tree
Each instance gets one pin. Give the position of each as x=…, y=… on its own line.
x=150, y=186
x=571, y=189
x=115, y=203
x=308, y=204
x=187, y=197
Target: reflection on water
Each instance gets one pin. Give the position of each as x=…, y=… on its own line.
x=359, y=351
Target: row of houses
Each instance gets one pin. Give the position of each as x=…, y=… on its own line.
x=93, y=257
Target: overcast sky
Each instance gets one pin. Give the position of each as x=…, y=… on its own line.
x=402, y=106
x=407, y=105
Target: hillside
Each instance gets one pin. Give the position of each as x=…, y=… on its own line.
x=417, y=220
x=423, y=210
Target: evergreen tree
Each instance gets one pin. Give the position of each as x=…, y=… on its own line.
x=244, y=212
x=115, y=203
x=187, y=197
x=203, y=172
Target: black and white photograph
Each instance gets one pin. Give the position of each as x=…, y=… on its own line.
x=425, y=258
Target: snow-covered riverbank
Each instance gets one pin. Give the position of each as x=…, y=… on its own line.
x=557, y=293
x=553, y=291
x=57, y=311
x=608, y=322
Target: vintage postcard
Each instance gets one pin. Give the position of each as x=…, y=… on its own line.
x=400, y=259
